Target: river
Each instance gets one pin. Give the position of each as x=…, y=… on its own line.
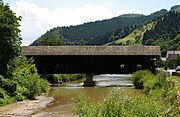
x=62, y=105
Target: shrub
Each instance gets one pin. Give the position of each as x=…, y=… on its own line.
x=27, y=77
x=54, y=78
x=59, y=78
x=3, y=93
x=160, y=79
x=138, y=78
x=9, y=85
x=152, y=82
x=116, y=104
x=149, y=83
x=4, y=98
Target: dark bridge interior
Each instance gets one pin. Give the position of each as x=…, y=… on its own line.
x=92, y=59
x=92, y=64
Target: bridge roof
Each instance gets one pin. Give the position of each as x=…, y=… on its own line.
x=91, y=50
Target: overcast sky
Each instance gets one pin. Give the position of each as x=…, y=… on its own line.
x=38, y=16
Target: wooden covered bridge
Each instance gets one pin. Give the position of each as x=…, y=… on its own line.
x=92, y=59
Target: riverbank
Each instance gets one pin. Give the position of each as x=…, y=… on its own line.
x=25, y=108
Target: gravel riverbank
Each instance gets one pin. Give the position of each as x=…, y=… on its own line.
x=25, y=108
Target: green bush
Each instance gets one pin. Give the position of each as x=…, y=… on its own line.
x=160, y=79
x=160, y=63
x=54, y=78
x=3, y=93
x=9, y=85
x=116, y=104
x=138, y=78
x=149, y=83
x=4, y=98
x=27, y=77
x=152, y=82
x=59, y=78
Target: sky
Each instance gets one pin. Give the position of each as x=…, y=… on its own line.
x=39, y=16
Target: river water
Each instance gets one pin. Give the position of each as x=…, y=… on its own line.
x=62, y=105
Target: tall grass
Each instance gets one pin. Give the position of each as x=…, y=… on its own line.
x=116, y=104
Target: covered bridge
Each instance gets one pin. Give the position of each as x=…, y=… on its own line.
x=92, y=59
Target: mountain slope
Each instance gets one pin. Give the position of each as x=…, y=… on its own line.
x=163, y=31
x=135, y=37
x=81, y=34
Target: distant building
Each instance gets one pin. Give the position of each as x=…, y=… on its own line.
x=172, y=54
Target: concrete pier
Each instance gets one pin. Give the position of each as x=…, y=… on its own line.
x=89, y=81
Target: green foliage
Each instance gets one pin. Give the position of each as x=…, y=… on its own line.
x=10, y=37
x=173, y=63
x=54, y=79
x=159, y=62
x=145, y=79
x=138, y=78
x=166, y=32
x=153, y=82
x=59, y=78
x=24, y=83
x=162, y=89
x=27, y=77
x=4, y=94
x=4, y=98
x=116, y=104
x=9, y=85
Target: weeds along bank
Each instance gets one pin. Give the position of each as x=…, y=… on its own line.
x=160, y=99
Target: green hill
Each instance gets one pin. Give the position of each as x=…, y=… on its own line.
x=135, y=37
x=166, y=32
x=89, y=33
x=163, y=31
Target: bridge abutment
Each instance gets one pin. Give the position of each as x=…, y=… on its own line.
x=89, y=81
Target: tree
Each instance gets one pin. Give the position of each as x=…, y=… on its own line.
x=10, y=39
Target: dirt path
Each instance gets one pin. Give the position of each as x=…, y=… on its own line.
x=25, y=108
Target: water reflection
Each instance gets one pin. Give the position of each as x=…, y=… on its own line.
x=63, y=103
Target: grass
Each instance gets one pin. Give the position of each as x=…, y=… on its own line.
x=135, y=38
x=117, y=104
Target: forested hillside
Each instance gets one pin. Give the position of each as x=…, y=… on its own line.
x=92, y=33
x=166, y=32
x=135, y=37
x=163, y=31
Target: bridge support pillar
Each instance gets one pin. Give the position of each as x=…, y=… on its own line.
x=89, y=81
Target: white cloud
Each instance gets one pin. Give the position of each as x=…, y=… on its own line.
x=37, y=20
